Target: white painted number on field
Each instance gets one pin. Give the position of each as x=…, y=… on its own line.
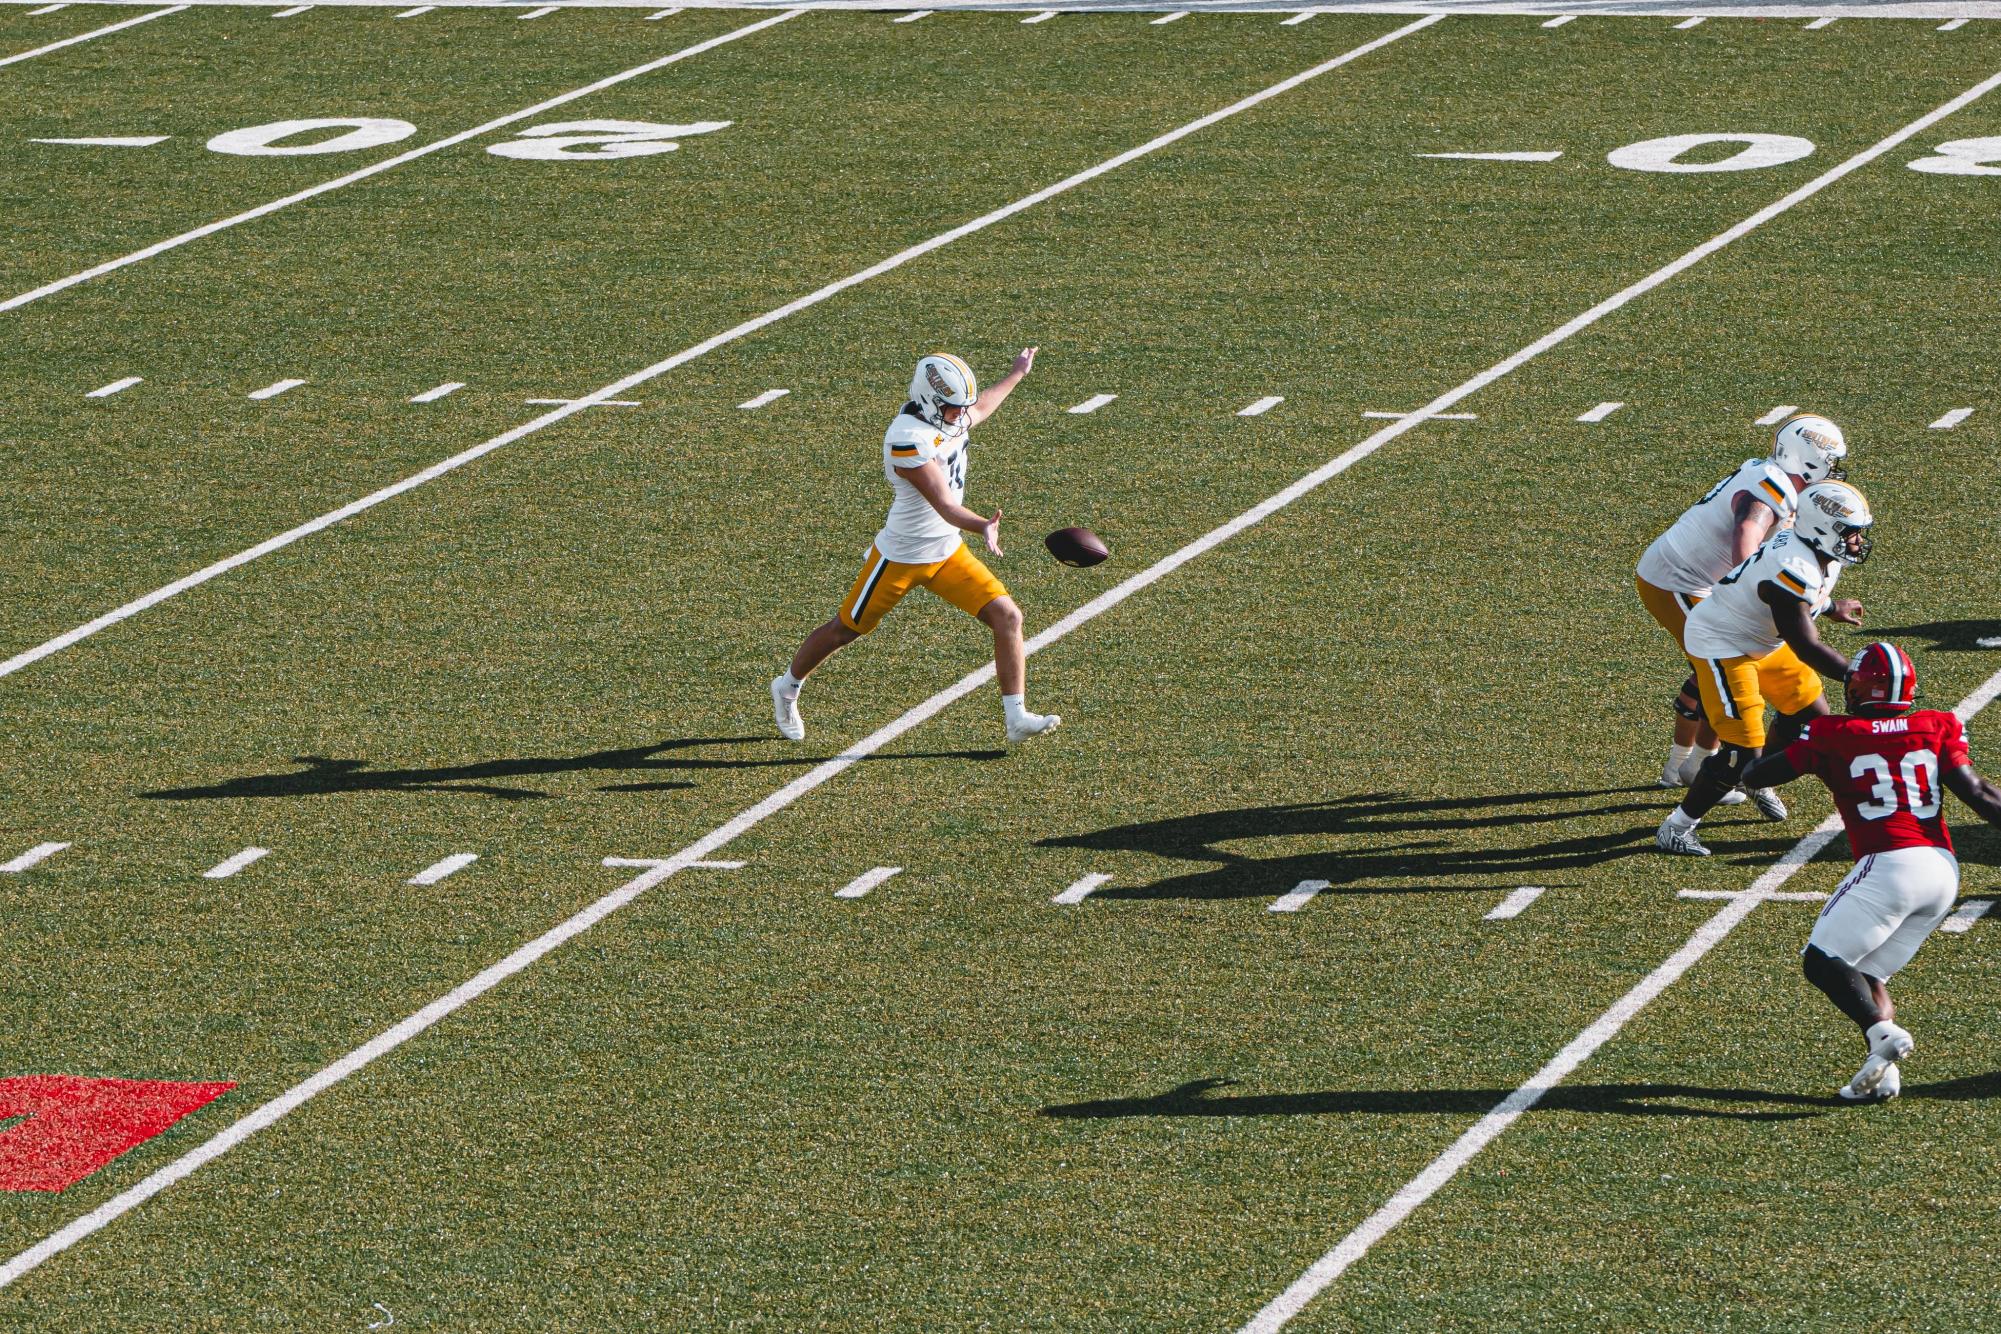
x=1301, y=895
x=1758, y=150
x=359, y=132
x=1512, y=905
x=1081, y=890
x=1963, y=157
x=567, y=139
x=1966, y=915
x=39, y=853
x=866, y=881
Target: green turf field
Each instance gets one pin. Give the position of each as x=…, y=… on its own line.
x=742, y=1101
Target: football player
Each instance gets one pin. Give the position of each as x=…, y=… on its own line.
x=1753, y=639
x=924, y=458
x=1884, y=761
x=1718, y=532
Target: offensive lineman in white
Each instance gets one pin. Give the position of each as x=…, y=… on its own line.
x=1716, y=533
x=1753, y=640
x=924, y=458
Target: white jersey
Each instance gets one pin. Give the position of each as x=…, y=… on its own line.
x=1700, y=547
x=915, y=533
x=1734, y=622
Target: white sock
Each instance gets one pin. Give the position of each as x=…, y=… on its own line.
x=1012, y=708
x=788, y=683
x=1681, y=819
x=1678, y=754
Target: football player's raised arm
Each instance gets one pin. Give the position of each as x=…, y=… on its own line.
x=994, y=394
x=1795, y=626
x=1754, y=524
x=1771, y=770
x=1975, y=791
x=929, y=479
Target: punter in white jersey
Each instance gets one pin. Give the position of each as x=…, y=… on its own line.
x=1752, y=640
x=1714, y=535
x=921, y=544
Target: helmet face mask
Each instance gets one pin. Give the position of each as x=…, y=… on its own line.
x=943, y=381
x=1835, y=520
x=1811, y=447
x=1882, y=682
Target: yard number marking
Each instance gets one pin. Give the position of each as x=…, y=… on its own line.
x=1666, y=154
x=565, y=139
x=1963, y=157
x=73, y=1125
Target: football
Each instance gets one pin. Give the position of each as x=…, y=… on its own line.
x=1077, y=546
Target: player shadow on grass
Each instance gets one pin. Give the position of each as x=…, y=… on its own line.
x=1205, y=837
x=1945, y=636
x=1192, y=1099
x=323, y=776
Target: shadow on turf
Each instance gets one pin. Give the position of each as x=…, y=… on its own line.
x=1945, y=636
x=1203, y=838
x=323, y=776
x=1192, y=1099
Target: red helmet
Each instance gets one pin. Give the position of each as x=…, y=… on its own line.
x=1882, y=681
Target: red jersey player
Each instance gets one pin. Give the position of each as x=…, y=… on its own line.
x=1884, y=761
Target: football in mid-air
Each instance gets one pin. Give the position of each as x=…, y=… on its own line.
x=1077, y=546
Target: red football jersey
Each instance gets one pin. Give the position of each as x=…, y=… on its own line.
x=1884, y=774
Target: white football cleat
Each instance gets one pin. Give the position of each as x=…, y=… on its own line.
x=1736, y=796
x=1888, y=1086
x=1690, y=765
x=1033, y=724
x=1888, y=1044
x=1769, y=803
x=1680, y=841
x=1671, y=774
x=785, y=709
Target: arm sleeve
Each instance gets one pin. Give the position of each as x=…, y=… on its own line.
x=1805, y=756
x=1953, y=750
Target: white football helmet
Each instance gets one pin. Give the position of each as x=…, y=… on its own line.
x=1829, y=512
x=1810, y=447
x=942, y=380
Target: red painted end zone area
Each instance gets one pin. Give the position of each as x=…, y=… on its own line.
x=76, y=1125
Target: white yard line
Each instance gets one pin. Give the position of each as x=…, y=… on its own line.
x=914, y=15
x=116, y=387
x=437, y=871
x=1695, y=22
x=1081, y=888
x=1092, y=404
x=293, y=12
x=1952, y=419
x=1601, y=412
x=1298, y=18
x=1489, y=1127
x=1530, y=155
x=657, y=15
x=273, y=390
x=866, y=881
x=1804, y=896
x=1964, y=916
x=1423, y=414
x=1043, y=17
x=230, y=865
x=1297, y=897
x=1168, y=18
x=95, y=32
x=722, y=835
x=41, y=852
x=703, y=348
x=1512, y=905
x=432, y=395
x=47, y=9
x=377, y=168
x=1824, y=21
x=541, y=12
x=416, y=12
x=1262, y=406
x=110, y=141
x=1560, y=20
x=768, y=396
x=1777, y=415
x=1951, y=25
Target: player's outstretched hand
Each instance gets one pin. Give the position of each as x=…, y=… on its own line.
x=1025, y=363
x=992, y=533
x=1846, y=610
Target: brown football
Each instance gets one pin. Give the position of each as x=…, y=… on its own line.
x=1077, y=546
